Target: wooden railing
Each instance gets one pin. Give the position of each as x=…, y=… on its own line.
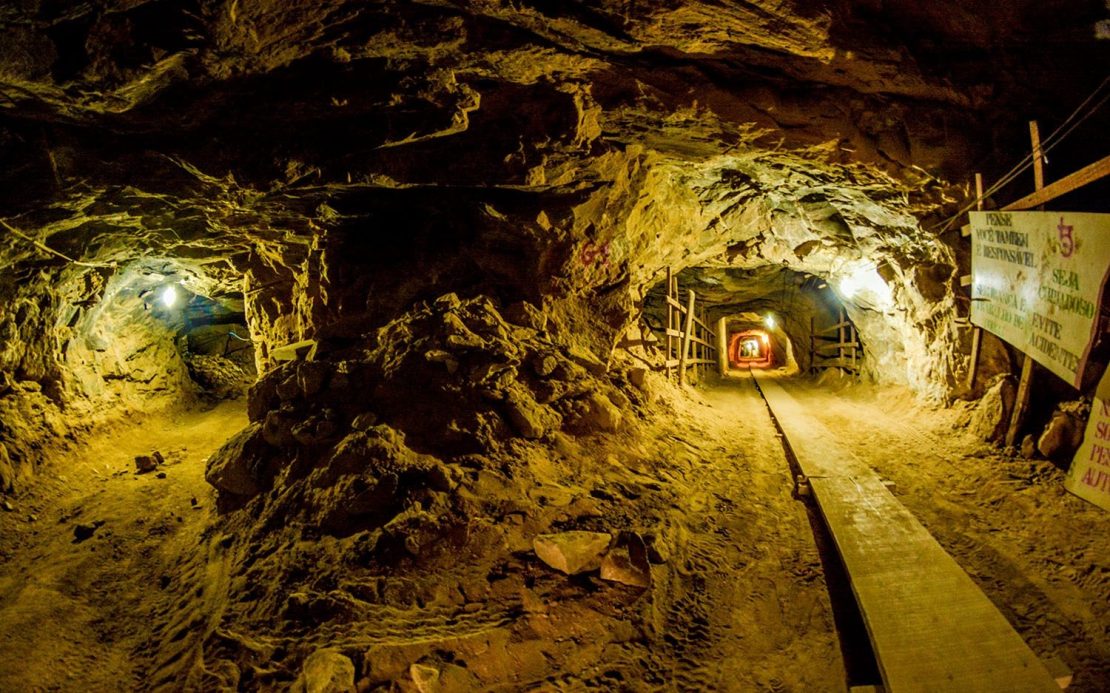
x=690, y=342
x=835, y=346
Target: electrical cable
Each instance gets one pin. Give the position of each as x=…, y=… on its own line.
x=1058, y=135
x=42, y=246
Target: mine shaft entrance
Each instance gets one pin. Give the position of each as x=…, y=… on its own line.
x=750, y=349
x=156, y=333
x=773, y=317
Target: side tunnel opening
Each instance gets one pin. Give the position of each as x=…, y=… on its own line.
x=90, y=346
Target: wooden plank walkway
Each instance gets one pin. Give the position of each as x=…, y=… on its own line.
x=931, y=627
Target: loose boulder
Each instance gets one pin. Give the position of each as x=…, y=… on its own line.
x=601, y=413
x=326, y=671
x=1064, y=433
x=992, y=414
x=1028, y=447
x=235, y=468
x=627, y=562
x=572, y=552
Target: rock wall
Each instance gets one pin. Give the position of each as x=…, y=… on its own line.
x=81, y=348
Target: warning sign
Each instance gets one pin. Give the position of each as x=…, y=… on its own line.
x=1089, y=475
x=1036, y=282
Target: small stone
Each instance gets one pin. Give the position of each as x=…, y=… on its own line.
x=32, y=518
x=7, y=506
x=586, y=358
x=326, y=671
x=145, y=463
x=161, y=475
x=572, y=552
x=84, y=531
x=544, y=364
x=311, y=377
x=288, y=389
x=657, y=550
x=193, y=501
x=440, y=356
x=1062, y=437
x=277, y=429
x=526, y=315
x=425, y=678
x=1028, y=447
x=158, y=457
x=601, y=413
x=627, y=562
x=638, y=377
x=529, y=418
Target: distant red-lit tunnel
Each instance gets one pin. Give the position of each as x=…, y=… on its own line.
x=750, y=348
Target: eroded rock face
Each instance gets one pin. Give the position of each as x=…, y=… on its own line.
x=464, y=205
x=370, y=439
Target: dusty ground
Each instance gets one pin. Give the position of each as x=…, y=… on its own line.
x=740, y=603
x=77, y=615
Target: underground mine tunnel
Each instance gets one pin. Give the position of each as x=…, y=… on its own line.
x=618, y=346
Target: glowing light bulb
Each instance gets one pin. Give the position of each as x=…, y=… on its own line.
x=769, y=321
x=169, y=296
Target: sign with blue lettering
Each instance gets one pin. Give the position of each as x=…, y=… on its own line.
x=1036, y=282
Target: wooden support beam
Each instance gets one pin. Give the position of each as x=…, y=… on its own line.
x=973, y=369
x=977, y=333
x=854, y=336
x=1038, y=156
x=670, y=327
x=683, y=356
x=843, y=322
x=722, y=347
x=1074, y=181
x=1021, y=402
x=297, y=351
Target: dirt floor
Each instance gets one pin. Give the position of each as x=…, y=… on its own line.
x=738, y=603
x=77, y=615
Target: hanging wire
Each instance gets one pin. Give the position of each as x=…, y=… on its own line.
x=1058, y=135
x=42, y=246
